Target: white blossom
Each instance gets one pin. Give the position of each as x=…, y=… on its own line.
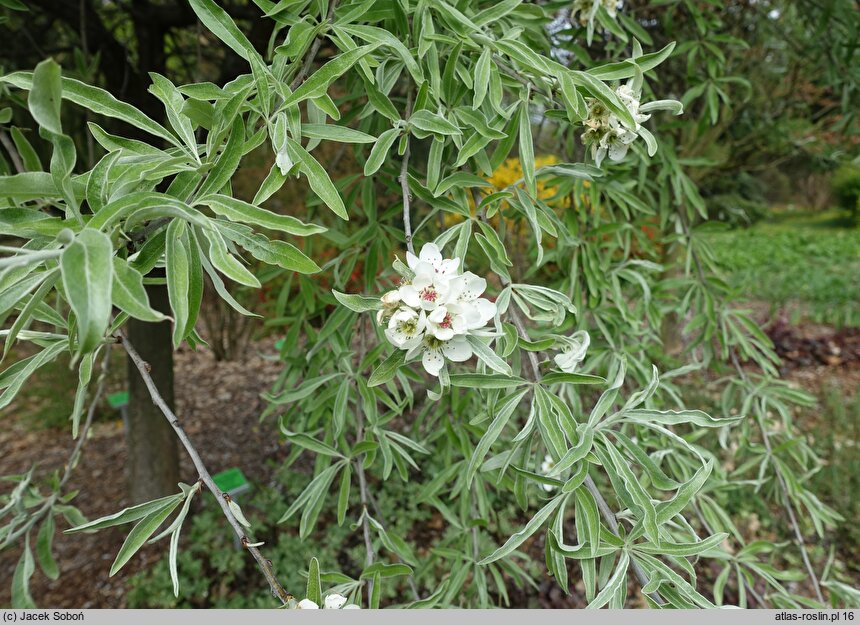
x=427, y=290
x=432, y=313
x=406, y=327
x=605, y=133
x=434, y=352
x=432, y=255
x=573, y=351
x=333, y=601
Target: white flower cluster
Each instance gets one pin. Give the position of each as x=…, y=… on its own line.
x=433, y=313
x=587, y=9
x=606, y=134
x=333, y=601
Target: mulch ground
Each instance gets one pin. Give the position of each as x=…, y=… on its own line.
x=219, y=405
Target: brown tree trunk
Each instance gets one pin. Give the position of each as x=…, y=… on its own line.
x=153, y=454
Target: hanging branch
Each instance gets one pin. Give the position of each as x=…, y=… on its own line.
x=605, y=510
x=315, y=48
x=789, y=508
x=222, y=497
x=71, y=463
x=404, y=183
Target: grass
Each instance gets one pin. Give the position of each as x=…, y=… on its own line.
x=809, y=262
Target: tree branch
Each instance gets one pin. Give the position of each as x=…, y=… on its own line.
x=789, y=508
x=312, y=53
x=535, y=376
x=605, y=511
x=404, y=182
x=222, y=497
x=13, y=153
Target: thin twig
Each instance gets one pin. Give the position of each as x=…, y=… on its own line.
x=70, y=463
x=362, y=479
x=535, y=376
x=222, y=498
x=404, y=183
x=750, y=588
x=789, y=508
x=13, y=153
x=312, y=53
x=605, y=511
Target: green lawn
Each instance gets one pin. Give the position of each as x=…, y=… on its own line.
x=808, y=261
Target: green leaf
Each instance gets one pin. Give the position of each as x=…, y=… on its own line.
x=385, y=570
x=380, y=151
x=531, y=527
x=239, y=211
x=432, y=123
x=358, y=303
x=482, y=380
x=13, y=378
x=502, y=412
x=314, y=588
x=341, y=134
x=527, y=149
x=15, y=5
x=615, y=583
x=26, y=150
x=141, y=532
x=44, y=547
x=305, y=389
x=98, y=101
x=488, y=356
x=667, y=509
x=225, y=262
x=318, y=178
x=129, y=294
x=387, y=368
x=127, y=515
x=599, y=90
x=308, y=442
x=87, y=270
x=278, y=253
x=222, y=25
x=228, y=161
x=682, y=549
x=343, y=494
x=178, y=265
x=21, y=598
x=558, y=377
x=676, y=417
x=45, y=96
x=587, y=521
x=318, y=82
x=482, y=77
x=237, y=512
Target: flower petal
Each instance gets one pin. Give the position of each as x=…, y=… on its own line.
x=457, y=350
x=430, y=254
x=334, y=601
x=409, y=295
x=307, y=604
x=432, y=361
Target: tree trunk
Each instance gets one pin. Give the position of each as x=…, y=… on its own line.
x=153, y=455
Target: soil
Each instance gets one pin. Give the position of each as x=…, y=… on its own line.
x=219, y=405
